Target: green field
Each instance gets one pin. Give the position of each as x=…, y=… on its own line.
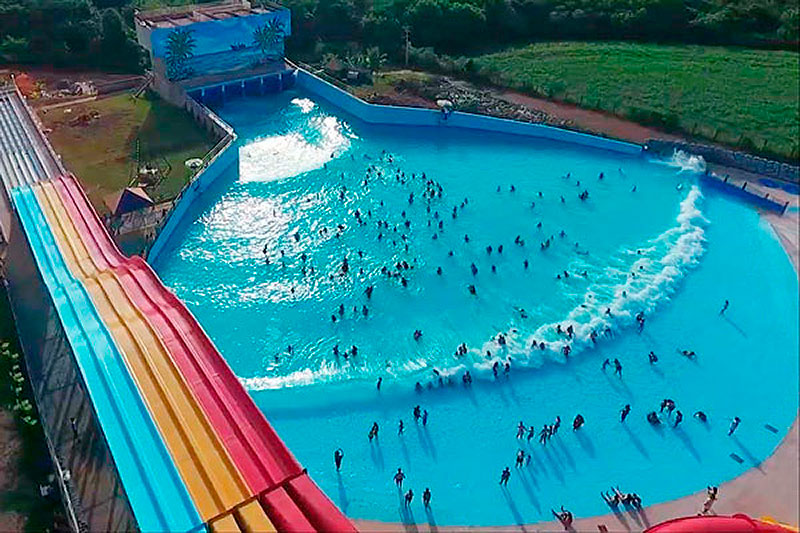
x=746, y=98
x=101, y=152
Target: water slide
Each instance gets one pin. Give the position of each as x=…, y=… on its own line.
x=211, y=477
x=18, y=161
x=157, y=495
x=266, y=464
x=738, y=523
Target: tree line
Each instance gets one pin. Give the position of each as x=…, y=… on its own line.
x=99, y=33
x=70, y=33
x=469, y=26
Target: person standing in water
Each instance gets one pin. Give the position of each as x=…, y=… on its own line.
x=426, y=497
x=399, y=476
x=504, y=476
x=624, y=413
x=734, y=424
x=338, y=455
x=724, y=307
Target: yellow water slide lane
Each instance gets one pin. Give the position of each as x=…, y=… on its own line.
x=205, y=467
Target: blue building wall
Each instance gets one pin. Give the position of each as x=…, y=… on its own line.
x=216, y=46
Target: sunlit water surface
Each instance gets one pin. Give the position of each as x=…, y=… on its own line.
x=647, y=239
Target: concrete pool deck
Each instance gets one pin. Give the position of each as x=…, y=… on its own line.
x=771, y=489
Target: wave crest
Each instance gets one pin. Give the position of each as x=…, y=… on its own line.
x=658, y=267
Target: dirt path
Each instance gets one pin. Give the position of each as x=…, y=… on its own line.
x=587, y=120
x=10, y=450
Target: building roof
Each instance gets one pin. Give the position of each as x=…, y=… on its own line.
x=127, y=200
x=190, y=14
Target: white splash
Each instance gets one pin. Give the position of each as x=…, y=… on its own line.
x=281, y=156
x=687, y=162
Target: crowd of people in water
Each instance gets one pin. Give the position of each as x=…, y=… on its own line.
x=398, y=232
x=425, y=213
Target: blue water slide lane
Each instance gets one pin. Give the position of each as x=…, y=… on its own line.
x=157, y=495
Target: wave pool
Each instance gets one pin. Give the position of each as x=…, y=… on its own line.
x=277, y=259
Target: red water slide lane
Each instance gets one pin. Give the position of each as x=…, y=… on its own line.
x=264, y=461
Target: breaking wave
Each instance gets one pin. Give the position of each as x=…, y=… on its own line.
x=634, y=280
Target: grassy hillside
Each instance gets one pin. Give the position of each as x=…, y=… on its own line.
x=747, y=98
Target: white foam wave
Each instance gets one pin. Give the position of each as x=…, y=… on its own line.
x=658, y=267
x=281, y=156
x=664, y=261
x=687, y=162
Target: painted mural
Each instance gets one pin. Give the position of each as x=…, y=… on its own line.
x=207, y=48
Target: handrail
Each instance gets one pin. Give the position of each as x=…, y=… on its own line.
x=208, y=159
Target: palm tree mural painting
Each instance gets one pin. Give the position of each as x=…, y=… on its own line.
x=180, y=49
x=268, y=38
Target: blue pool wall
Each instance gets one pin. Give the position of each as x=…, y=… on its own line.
x=226, y=159
x=410, y=116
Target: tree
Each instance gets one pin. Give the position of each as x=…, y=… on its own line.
x=269, y=38
x=180, y=49
x=374, y=59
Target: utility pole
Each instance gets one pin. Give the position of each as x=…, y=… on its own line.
x=407, y=32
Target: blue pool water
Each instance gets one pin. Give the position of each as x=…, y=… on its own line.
x=649, y=239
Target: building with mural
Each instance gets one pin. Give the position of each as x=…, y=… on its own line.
x=200, y=45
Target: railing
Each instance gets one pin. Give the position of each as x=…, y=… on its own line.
x=211, y=156
x=320, y=73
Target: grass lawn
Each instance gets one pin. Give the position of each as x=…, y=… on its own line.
x=101, y=152
x=738, y=97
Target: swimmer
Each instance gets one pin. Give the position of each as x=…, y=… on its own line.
x=624, y=413
x=338, y=455
x=724, y=307
x=520, y=458
x=652, y=417
x=678, y=418
x=578, y=422
x=399, y=476
x=472, y=290
x=701, y=416
x=425, y=416
x=734, y=424
x=520, y=430
x=617, y=367
x=653, y=358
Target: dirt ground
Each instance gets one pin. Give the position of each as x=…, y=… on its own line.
x=590, y=121
x=10, y=450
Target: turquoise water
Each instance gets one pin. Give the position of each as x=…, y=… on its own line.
x=648, y=239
